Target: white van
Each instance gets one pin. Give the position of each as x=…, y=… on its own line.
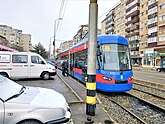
x=24, y=65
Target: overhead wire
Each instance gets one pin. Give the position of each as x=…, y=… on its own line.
x=61, y=14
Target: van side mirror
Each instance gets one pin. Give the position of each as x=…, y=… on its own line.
x=42, y=62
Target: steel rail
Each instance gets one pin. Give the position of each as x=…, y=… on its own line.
x=131, y=113
x=147, y=86
x=160, y=97
x=147, y=102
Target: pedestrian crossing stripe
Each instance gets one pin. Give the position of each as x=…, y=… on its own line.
x=91, y=85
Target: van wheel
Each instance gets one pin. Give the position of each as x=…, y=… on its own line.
x=45, y=75
x=4, y=74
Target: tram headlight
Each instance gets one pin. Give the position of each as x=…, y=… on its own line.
x=131, y=78
x=107, y=78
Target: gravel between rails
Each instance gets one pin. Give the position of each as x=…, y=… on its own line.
x=146, y=112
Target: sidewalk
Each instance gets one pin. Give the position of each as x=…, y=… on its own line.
x=78, y=109
x=143, y=68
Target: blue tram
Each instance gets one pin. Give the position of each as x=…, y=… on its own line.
x=113, y=66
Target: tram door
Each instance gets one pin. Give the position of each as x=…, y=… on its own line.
x=71, y=63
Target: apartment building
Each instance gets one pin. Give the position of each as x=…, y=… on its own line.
x=65, y=45
x=132, y=29
x=119, y=19
x=82, y=33
x=25, y=42
x=103, y=25
x=3, y=41
x=109, y=21
x=16, y=39
x=142, y=22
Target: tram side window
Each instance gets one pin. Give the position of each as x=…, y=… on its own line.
x=80, y=59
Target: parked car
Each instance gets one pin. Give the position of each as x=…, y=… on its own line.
x=162, y=67
x=31, y=105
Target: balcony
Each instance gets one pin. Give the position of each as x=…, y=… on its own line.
x=152, y=25
x=135, y=19
x=131, y=2
x=152, y=5
x=152, y=10
x=132, y=28
x=152, y=39
x=151, y=2
x=161, y=38
x=154, y=15
x=131, y=7
x=135, y=13
x=150, y=45
x=151, y=30
x=161, y=23
x=133, y=34
x=135, y=49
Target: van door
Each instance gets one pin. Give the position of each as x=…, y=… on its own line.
x=1, y=112
x=37, y=66
x=20, y=66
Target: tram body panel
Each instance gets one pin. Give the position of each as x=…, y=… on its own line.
x=112, y=75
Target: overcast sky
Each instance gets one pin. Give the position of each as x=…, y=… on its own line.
x=36, y=17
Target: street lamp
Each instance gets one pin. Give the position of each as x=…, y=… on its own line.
x=55, y=35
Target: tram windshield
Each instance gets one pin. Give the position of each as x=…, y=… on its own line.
x=116, y=57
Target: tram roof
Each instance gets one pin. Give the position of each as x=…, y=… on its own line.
x=103, y=39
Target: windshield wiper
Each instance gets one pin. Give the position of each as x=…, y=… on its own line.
x=16, y=95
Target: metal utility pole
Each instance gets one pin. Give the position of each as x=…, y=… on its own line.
x=54, y=43
x=91, y=68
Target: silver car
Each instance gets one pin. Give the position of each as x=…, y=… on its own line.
x=31, y=105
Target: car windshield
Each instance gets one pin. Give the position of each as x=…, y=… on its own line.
x=116, y=57
x=8, y=88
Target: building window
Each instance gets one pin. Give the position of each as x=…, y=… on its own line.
x=142, y=5
x=141, y=52
x=162, y=17
x=162, y=6
x=144, y=61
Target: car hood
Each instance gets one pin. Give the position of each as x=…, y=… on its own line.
x=40, y=98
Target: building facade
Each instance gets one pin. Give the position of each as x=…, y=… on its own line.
x=142, y=22
x=16, y=39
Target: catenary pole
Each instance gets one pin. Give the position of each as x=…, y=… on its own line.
x=91, y=61
x=54, y=43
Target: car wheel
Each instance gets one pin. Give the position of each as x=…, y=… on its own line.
x=30, y=122
x=158, y=70
x=4, y=74
x=45, y=76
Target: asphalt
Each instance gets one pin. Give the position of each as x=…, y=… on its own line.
x=156, y=84
x=78, y=106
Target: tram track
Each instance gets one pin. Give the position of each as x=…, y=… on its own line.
x=128, y=109
x=149, y=94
